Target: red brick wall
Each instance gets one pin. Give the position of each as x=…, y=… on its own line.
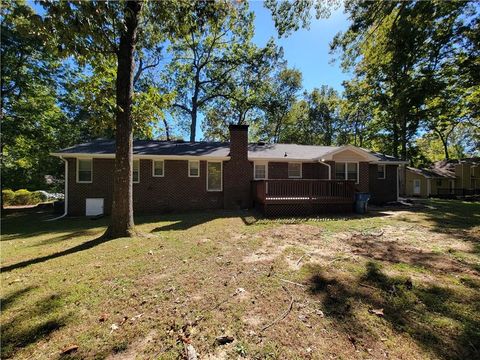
x=238, y=172
x=363, y=177
x=174, y=191
x=279, y=170
x=383, y=190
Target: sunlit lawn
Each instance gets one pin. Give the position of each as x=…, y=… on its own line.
x=197, y=276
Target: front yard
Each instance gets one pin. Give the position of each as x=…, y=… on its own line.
x=402, y=283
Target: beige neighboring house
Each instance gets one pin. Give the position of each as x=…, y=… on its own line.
x=444, y=178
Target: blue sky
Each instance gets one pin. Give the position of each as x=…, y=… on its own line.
x=306, y=50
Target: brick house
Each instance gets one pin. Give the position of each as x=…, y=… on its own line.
x=179, y=176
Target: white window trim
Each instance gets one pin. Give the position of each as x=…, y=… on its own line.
x=163, y=168
x=194, y=176
x=384, y=172
x=301, y=170
x=91, y=171
x=346, y=170
x=255, y=163
x=136, y=182
x=221, y=176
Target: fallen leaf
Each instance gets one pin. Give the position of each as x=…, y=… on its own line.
x=103, y=317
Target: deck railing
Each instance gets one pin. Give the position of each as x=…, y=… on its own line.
x=303, y=191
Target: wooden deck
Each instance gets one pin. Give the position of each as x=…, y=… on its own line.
x=299, y=197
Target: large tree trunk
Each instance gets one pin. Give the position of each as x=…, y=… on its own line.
x=121, y=223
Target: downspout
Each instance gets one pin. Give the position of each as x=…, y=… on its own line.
x=65, y=198
x=329, y=168
x=398, y=183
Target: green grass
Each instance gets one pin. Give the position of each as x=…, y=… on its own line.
x=420, y=265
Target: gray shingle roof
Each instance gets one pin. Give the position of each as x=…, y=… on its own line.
x=153, y=147
x=210, y=149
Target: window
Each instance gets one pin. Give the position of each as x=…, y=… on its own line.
x=381, y=171
x=339, y=171
x=472, y=171
x=294, y=170
x=214, y=176
x=346, y=171
x=158, y=168
x=136, y=171
x=84, y=170
x=260, y=171
x=194, y=168
x=352, y=171
x=439, y=182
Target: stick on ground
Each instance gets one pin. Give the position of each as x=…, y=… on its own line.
x=285, y=313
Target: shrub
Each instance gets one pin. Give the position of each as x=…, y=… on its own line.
x=23, y=197
x=41, y=196
x=8, y=196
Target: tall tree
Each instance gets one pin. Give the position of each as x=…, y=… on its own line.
x=277, y=102
x=244, y=91
x=205, y=57
x=33, y=121
x=315, y=120
x=91, y=30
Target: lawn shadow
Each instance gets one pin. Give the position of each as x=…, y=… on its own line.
x=370, y=246
x=441, y=320
x=10, y=299
x=24, y=225
x=30, y=326
x=81, y=247
x=188, y=220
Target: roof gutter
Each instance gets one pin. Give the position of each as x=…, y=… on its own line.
x=65, y=198
x=322, y=161
x=142, y=156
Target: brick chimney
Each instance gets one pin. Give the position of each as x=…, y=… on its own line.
x=238, y=142
x=238, y=171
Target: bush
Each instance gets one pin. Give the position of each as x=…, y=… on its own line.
x=23, y=197
x=7, y=197
x=41, y=196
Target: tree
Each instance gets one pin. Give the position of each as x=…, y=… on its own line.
x=91, y=31
x=400, y=48
x=316, y=119
x=277, y=102
x=94, y=31
x=33, y=121
x=205, y=58
x=243, y=91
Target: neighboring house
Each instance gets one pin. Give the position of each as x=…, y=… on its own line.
x=444, y=178
x=278, y=178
